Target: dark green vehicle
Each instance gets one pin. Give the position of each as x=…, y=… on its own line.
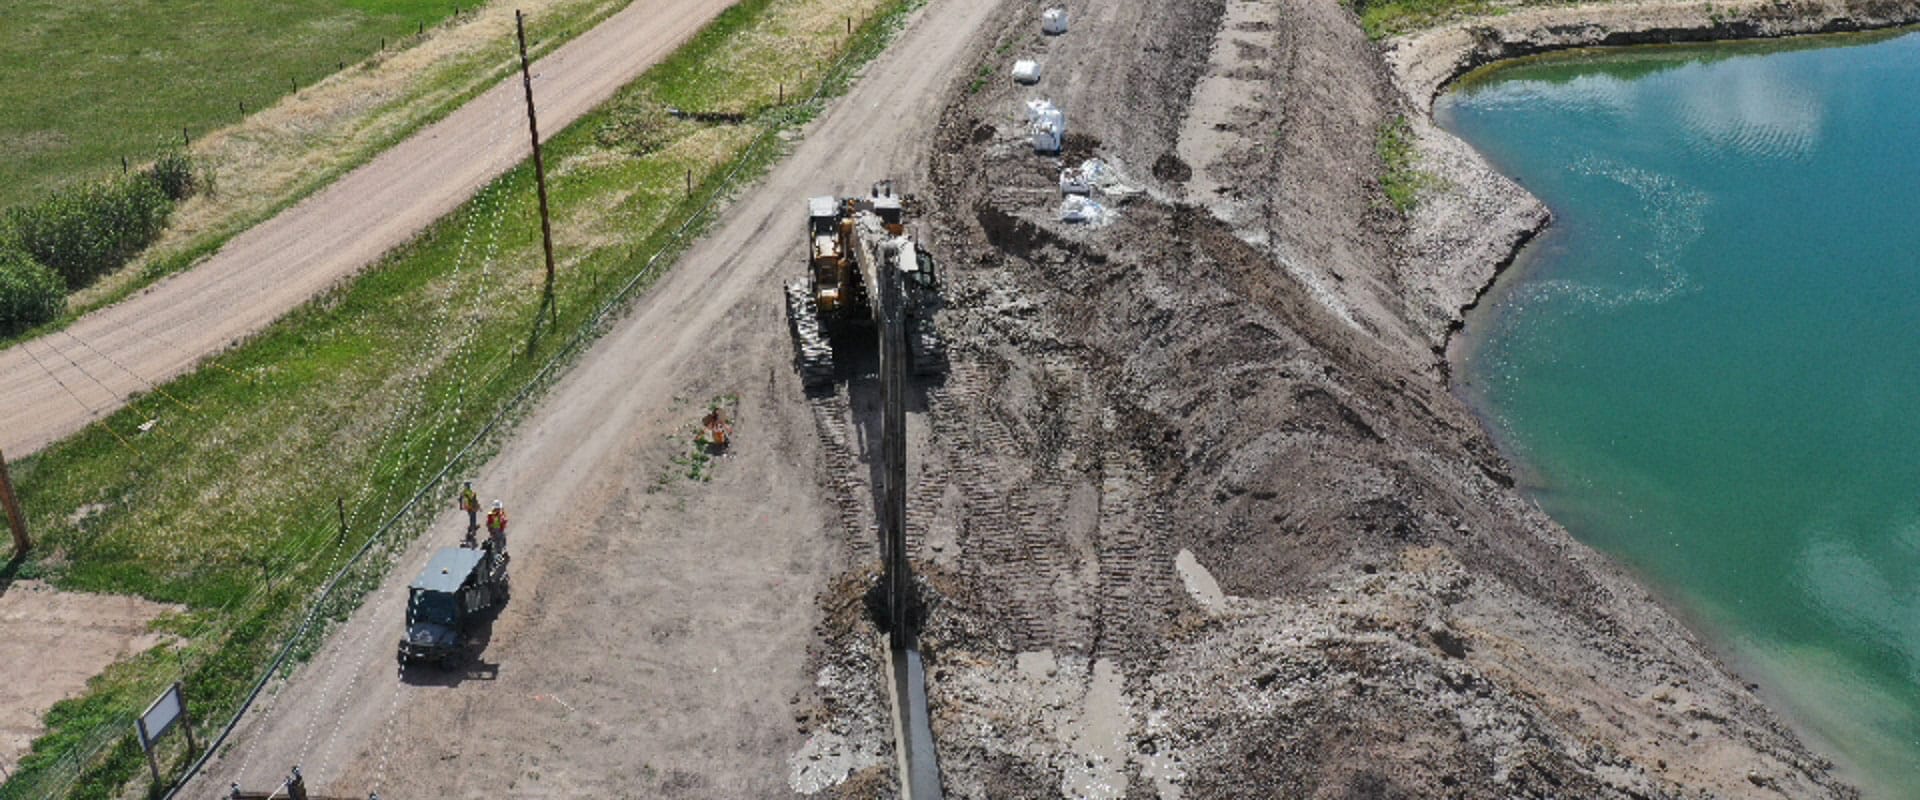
x=458, y=587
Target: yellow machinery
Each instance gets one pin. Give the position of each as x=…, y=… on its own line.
x=848, y=241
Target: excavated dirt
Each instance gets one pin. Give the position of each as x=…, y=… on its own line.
x=1209, y=523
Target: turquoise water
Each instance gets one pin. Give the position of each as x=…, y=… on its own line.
x=1709, y=365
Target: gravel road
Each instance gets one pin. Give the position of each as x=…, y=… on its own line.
x=62, y=382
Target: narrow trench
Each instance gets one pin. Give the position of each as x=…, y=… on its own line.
x=879, y=393
x=912, y=733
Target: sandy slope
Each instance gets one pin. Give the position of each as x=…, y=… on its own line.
x=658, y=637
x=58, y=384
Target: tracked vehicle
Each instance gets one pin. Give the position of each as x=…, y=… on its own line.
x=848, y=241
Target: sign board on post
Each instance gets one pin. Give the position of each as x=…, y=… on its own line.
x=159, y=718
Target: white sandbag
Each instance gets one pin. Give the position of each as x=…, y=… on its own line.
x=1049, y=132
x=1053, y=21
x=1100, y=175
x=1026, y=72
x=1046, y=138
x=1074, y=181
x=1047, y=125
x=1084, y=211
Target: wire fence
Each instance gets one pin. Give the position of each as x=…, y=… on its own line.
x=360, y=572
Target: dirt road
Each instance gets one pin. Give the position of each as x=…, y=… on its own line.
x=659, y=639
x=59, y=383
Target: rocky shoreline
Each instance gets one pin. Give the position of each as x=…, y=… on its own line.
x=1476, y=224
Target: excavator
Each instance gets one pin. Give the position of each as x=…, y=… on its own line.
x=849, y=239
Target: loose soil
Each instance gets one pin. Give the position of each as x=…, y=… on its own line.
x=1209, y=448
x=55, y=642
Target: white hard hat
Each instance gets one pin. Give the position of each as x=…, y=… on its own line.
x=498, y=504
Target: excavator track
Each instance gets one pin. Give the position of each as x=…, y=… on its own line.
x=928, y=351
x=813, y=354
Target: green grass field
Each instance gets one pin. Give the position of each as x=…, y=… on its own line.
x=1385, y=18
x=84, y=83
x=227, y=503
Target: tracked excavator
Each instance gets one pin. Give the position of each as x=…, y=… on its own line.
x=849, y=240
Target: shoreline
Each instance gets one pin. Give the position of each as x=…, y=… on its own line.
x=1484, y=248
x=1462, y=240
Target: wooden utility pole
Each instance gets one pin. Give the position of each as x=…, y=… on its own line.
x=15, y=520
x=539, y=169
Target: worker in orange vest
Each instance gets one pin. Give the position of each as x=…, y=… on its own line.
x=497, y=526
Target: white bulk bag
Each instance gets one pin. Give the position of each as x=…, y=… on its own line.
x=1053, y=21
x=1080, y=209
x=1049, y=130
x=1027, y=72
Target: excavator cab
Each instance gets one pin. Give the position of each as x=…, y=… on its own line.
x=888, y=207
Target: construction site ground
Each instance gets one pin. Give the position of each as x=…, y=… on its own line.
x=1195, y=513
x=664, y=634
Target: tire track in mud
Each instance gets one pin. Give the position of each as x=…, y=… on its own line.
x=1007, y=552
x=1136, y=562
x=831, y=415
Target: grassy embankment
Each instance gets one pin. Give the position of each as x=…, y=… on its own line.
x=1385, y=18
x=1401, y=178
x=227, y=504
x=260, y=163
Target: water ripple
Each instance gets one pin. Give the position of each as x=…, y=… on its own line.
x=1674, y=215
x=1748, y=109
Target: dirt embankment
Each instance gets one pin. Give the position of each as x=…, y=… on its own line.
x=1202, y=517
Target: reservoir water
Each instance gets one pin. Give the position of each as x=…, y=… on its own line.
x=1709, y=365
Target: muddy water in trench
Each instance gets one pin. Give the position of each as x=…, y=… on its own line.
x=1710, y=364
